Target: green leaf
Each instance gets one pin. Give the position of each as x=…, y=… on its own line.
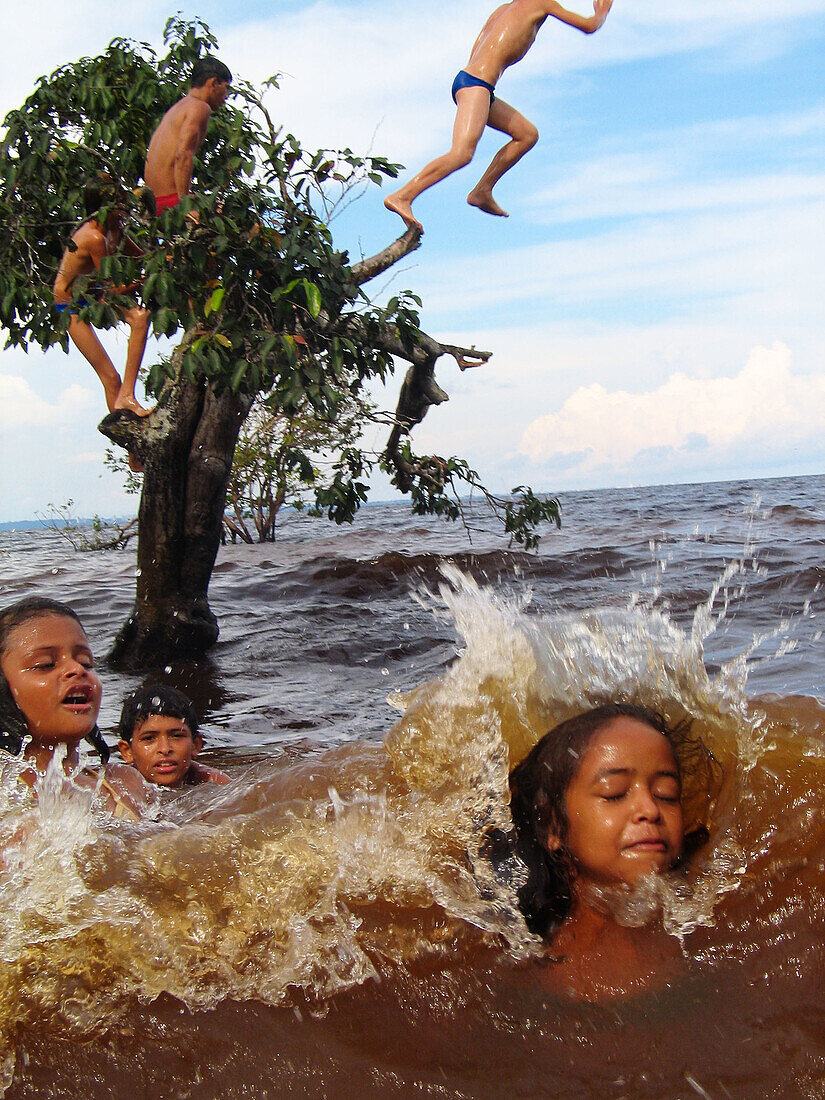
x=215, y=300
x=238, y=375
x=314, y=300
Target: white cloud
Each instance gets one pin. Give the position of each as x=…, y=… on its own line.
x=42, y=41
x=710, y=14
x=760, y=263
x=765, y=404
x=20, y=406
x=636, y=186
x=351, y=69
x=688, y=168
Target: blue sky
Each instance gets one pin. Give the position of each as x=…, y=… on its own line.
x=653, y=302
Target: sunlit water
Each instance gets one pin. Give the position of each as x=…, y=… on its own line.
x=330, y=923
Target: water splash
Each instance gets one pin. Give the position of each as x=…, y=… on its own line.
x=315, y=874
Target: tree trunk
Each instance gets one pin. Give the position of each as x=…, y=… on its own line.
x=187, y=447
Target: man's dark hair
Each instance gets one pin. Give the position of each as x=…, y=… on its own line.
x=13, y=725
x=203, y=69
x=155, y=699
x=99, y=192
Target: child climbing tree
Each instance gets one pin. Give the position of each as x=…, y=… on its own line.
x=243, y=272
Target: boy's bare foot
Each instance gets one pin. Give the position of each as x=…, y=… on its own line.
x=132, y=404
x=484, y=201
x=135, y=465
x=404, y=210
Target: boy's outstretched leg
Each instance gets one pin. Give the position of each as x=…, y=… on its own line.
x=472, y=111
x=523, y=134
x=138, y=321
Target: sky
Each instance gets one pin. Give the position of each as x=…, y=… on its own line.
x=654, y=300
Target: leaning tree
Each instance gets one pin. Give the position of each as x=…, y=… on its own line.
x=246, y=275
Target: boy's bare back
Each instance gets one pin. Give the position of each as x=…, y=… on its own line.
x=90, y=248
x=512, y=28
x=182, y=127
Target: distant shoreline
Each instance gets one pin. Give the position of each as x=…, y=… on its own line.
x=34, y=524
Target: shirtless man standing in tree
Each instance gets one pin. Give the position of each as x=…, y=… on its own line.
x=505, y=38
x=90, y=243
x=171, y=153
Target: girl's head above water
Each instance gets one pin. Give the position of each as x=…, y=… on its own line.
x=48, y=688
x=597, y=800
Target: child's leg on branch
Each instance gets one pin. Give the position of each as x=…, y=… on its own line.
x=138, y=321
x=85, y=340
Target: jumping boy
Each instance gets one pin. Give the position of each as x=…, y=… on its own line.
x=92, y=241
x=505, y=38
x=170, y=157
x=158, y=735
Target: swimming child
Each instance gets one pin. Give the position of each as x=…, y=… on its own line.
x=90, y=244
x=50, y=699
x=597, y=807
x=504, y=40
x=159, y=736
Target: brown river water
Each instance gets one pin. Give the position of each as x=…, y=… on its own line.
x=330, y=924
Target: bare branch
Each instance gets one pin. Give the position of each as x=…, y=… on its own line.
x=368, y=269
x=466, y=358
x=419, y=390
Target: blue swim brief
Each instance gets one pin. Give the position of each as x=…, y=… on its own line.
x=73, y=307
x=467, y=80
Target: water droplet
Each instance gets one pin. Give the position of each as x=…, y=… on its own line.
x=385, y=672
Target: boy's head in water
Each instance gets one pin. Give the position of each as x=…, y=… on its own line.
x=158, y=733
x=597, y=800
x=49, y=691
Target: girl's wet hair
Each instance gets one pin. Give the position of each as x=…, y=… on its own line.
x=537, y=805
x=13, y=725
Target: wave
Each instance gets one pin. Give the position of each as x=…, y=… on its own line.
x=314, y=874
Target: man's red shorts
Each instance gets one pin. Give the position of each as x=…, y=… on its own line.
x=164, y=202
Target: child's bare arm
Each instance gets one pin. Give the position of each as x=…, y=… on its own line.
x=132, y=248
x=202, y=773
x=586, y=23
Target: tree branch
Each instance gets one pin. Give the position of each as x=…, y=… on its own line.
x=375, y=265
x=419, y=389
x=143, y=436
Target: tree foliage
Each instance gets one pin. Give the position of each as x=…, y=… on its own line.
x=283, y=460
x=252, y=286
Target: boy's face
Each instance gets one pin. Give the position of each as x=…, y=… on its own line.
x=162, y=749
x=217, y=92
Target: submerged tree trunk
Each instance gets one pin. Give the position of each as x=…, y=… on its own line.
x=187, y=447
